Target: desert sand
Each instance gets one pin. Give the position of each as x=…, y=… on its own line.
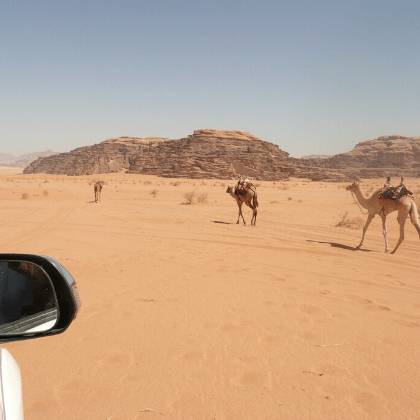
x=187, y=315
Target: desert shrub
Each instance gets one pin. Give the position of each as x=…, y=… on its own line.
x=175, y=183
x=46, y=181
x=25, y=196
x=189, y=197
x=223, y=184
x=202, y=197
x=154, y=192
x=350, y=222
x=290, y=198
x=273, y=202
x=46, y=193
x=147, y=182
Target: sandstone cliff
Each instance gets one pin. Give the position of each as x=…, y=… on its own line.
x=204, y=154
x=396, y=154
x=224, y=154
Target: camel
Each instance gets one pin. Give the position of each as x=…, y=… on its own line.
x=374, y=205
x=249, y=197
x=97, y=188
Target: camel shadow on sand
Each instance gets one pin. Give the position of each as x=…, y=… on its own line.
x=348, y=248
x=223, y=223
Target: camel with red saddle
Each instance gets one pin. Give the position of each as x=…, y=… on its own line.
x=384, y=201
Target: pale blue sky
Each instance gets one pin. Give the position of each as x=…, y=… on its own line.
x=314, y=77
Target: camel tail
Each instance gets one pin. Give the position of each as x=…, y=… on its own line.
x=255, y=200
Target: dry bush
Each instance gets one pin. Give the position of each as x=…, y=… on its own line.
x=189, y=197
x=46, y=181
x=273, y=202
x=290, y=198
x=45, y=193
x=223, y=184
x=154, y=192
x=283, y=187
x=203, y=183
x=147, y=182
x=25, y=196
x=350, y=222
x=175, y=183
x=202, y=197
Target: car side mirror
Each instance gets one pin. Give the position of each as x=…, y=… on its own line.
x=38, y=297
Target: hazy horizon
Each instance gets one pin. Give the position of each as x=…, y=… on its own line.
x=312, y=77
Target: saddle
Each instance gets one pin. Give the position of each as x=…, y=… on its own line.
x=243, y=186
x=389, y=192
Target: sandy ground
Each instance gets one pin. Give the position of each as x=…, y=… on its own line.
x=187, y=315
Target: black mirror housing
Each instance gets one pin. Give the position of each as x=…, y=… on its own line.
x=66, y=293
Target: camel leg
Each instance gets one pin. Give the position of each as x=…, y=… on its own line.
x=385, y=232
x=254, y=216
x=240, y=213
x=369, y=219
x=240, y=210
x=415, y=219
x=401, y=220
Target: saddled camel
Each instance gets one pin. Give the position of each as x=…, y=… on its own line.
x=97, y=188
x=249, y=197
x=405, y=206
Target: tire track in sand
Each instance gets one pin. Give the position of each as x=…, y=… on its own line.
x=40, y=229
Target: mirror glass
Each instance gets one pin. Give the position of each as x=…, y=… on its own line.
x=27, y=298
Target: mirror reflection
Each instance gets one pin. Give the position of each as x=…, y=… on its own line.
x=27, y=298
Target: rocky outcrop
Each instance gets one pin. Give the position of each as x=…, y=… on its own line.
x=111, y=155
x=386, y=154
x=211, y=154
x=204, y=154
x=225, y=154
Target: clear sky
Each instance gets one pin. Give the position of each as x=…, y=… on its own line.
x=313, y=76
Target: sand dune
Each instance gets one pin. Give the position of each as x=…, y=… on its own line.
x=187, y=315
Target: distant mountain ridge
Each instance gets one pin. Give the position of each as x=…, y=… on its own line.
x=22, y=161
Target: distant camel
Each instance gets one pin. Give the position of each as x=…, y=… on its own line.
x=249, y=197
x=97, y=188
x=406, y=206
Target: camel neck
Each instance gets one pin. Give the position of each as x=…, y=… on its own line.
x=360, y=197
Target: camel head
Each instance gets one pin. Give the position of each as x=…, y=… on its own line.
x=229, y=190
x=352, y=187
